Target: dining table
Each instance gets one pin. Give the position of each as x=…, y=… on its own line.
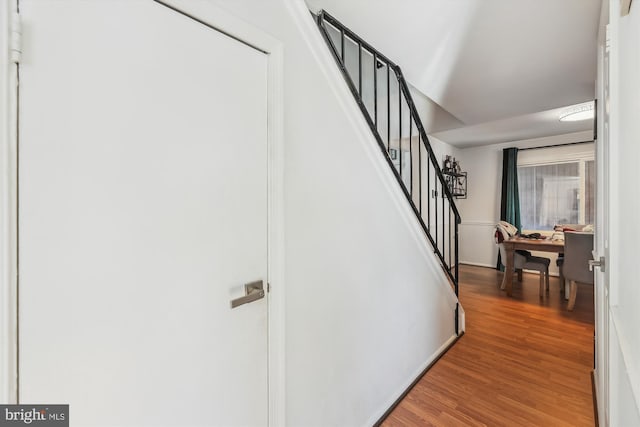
x=528, y=244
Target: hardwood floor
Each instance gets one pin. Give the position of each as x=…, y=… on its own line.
x=523, y=361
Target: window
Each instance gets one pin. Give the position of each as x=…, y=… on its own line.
x=562, y=192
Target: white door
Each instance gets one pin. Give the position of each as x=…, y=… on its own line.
x=142, y=213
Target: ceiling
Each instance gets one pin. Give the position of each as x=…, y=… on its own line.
x=503, y=68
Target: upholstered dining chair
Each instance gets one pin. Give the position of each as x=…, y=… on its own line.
x=575, y=268
x=523, y=260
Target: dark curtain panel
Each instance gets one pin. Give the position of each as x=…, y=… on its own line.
x=510, y=200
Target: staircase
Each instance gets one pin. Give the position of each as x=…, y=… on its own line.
x=382, y=94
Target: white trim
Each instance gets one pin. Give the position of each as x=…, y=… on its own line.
x=558, y=161
x=557, y=155
x=8, y=210
x=479, y=223
x=602, y=219
x=462, y=319
x=616, y=228
x=481, y=264
x=277, y=355
x=478, y=264
x=629, y=367
x=414, y=375
x=240, y=29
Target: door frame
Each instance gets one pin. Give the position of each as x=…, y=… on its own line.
x=601, y=279
x=8, y=207
x=232, y=26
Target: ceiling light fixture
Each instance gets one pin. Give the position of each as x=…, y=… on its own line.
x=577, y=112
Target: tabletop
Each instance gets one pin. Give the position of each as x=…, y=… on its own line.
x=545, y=245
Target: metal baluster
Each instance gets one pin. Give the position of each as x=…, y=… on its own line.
x=457, y=272
x=456, y=276
x=375, y=90
x=388, y=111
x=360, y=69
x=400, y=130
x=443, y=198
x=435, y=207
x=420, y=174
x=449, y=217
x=342, y=45
x=428, y=191
x=411, y=156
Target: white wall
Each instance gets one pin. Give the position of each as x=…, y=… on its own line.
x=442, y=149
x=481, y=209
x=434, y=117
x=367, y=305
x=434, y=218
x=624, y=230
x=7, y=214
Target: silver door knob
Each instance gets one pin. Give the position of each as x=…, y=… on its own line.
x=252, y=292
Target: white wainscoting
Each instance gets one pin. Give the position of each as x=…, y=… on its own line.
x=477, y=246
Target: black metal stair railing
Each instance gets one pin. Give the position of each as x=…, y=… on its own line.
x=383, y=95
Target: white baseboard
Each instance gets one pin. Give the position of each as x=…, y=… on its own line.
x=478, y=264
x=403, y=388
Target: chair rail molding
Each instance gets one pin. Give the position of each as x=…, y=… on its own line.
x=476, y=243
x=479, y=223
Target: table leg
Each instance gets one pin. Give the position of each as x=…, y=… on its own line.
x=507, y=278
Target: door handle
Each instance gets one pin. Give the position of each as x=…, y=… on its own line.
x=252, y=292
x=599, y=263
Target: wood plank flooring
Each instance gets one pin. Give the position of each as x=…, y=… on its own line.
x=523, y=361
